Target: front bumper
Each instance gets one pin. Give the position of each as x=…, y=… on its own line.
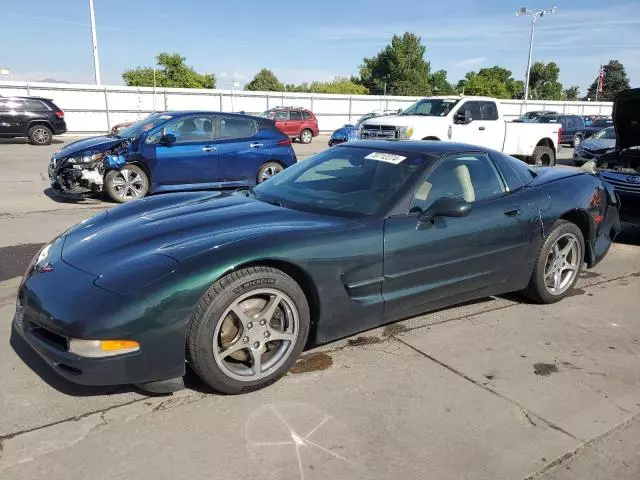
x=627, y=187
x=75, y=181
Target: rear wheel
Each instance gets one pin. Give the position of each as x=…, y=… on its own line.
x=543, y=156
x=306, y=136
x=268, y=170
x=128, y=183
x=40, y=135
x=558, y=265
x=248, y=330
x=577, y=140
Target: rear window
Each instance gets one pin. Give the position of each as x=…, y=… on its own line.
x=306, y=115
x=32, y=105
x=295, y=115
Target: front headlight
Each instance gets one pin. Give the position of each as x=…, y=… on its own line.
x=404, y=133
x=87, y=158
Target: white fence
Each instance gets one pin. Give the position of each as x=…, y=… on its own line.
x=94, y=109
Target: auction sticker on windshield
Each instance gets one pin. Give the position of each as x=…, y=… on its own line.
x=386, y=157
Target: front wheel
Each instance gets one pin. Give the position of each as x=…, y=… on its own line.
x=128, y=183
x=306, y=136
x=248, y=330
x=558, y=265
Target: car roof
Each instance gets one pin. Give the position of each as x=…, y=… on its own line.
x=414, y=146
x=16, y=97
x=182, y=113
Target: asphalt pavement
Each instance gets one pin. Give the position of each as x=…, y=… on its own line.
x=493, y=389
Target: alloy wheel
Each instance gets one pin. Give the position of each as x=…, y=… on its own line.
x=563, y=263
x=306, y=136
x=41, y=136
x=269, y=172
x=128, y=184
x=256, y=335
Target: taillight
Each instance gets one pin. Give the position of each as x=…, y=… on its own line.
x=559, y=135
x=60, y=114
x=284, y=142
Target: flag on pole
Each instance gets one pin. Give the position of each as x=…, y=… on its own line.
x=601, y=79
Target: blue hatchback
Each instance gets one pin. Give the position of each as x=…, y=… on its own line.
x=173, y=151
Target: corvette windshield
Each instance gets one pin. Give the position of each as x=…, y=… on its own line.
x=434, y=107
x=347, y=180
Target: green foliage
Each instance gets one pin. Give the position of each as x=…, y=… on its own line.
x=400, y=67
x=543, y=82
x=615, y=81
x=173, y=72
x=572, y=93
x=339, y=85
x=265, y=81
x=439, y=83
x=491, y=82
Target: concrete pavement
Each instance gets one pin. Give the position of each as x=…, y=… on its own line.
x=492, y=389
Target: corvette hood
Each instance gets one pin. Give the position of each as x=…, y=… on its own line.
x=91, y=144
x=179, y=226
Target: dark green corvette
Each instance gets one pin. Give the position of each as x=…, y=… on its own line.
x=363, y=234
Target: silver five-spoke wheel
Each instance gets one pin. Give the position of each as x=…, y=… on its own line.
x=128, y=184
x=256, y=335
x=563, y=264
x=270, y=171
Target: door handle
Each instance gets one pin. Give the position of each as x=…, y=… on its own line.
x=208, y=148
x=481, y=128
x=513, y=211
x=256, y=145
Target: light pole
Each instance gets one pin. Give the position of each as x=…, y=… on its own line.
x=94, y=39
x=534, y=15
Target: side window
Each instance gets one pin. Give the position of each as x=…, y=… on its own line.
x=282, y=115
x=35, y=106
x=489, y=111
x=9, y=105
x=295, y=115
x=306, y=115
x=232, y=127
x=473, y=108
x=186, y=130
x=472, y=177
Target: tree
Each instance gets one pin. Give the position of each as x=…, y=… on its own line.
x=439, y=83
x=173, y=72
x=543, y=82
x=615, y=81
x=398, y=69
x=572, y=93
x=339, y=85
x=265, y=81
x=491, y=82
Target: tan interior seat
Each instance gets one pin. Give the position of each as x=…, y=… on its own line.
x=464, y=177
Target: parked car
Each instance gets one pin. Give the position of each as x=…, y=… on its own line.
x=573, y=128
x=534, y=115
x=36, y=118
x=360, y=235
x=597, y=125
x=596, y=145
x=120, y=126
x=351, y=132
x=475, y=120
x=299, y=123
x=621, y=167
x=173, y=151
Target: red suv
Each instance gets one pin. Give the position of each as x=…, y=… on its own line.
x=296, y=122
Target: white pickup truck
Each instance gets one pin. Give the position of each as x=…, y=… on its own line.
x=473, y=120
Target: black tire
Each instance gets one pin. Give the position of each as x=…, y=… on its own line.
x=306, y=136
x=136, y=183
x=40, y=135
x=268, y=170
x=543, y=156
x=207, y=320
x=537, y=289
x=577, y=140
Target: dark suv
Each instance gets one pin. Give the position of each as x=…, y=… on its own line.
x=33, y=117
x=573, y=127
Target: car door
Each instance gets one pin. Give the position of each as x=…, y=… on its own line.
x=191, y=160
x=240, y=151
x=12, y=117
x=567, y=128
x=295, y=122
x=282, y=122
x=491, y=125
x=472, y=132
x=427, y=265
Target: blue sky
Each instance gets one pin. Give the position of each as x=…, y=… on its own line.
x=304, y=41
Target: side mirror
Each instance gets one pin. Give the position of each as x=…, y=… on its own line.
x=445, y=207
x=167, y=139
x=462, y=118
x=399, y=111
